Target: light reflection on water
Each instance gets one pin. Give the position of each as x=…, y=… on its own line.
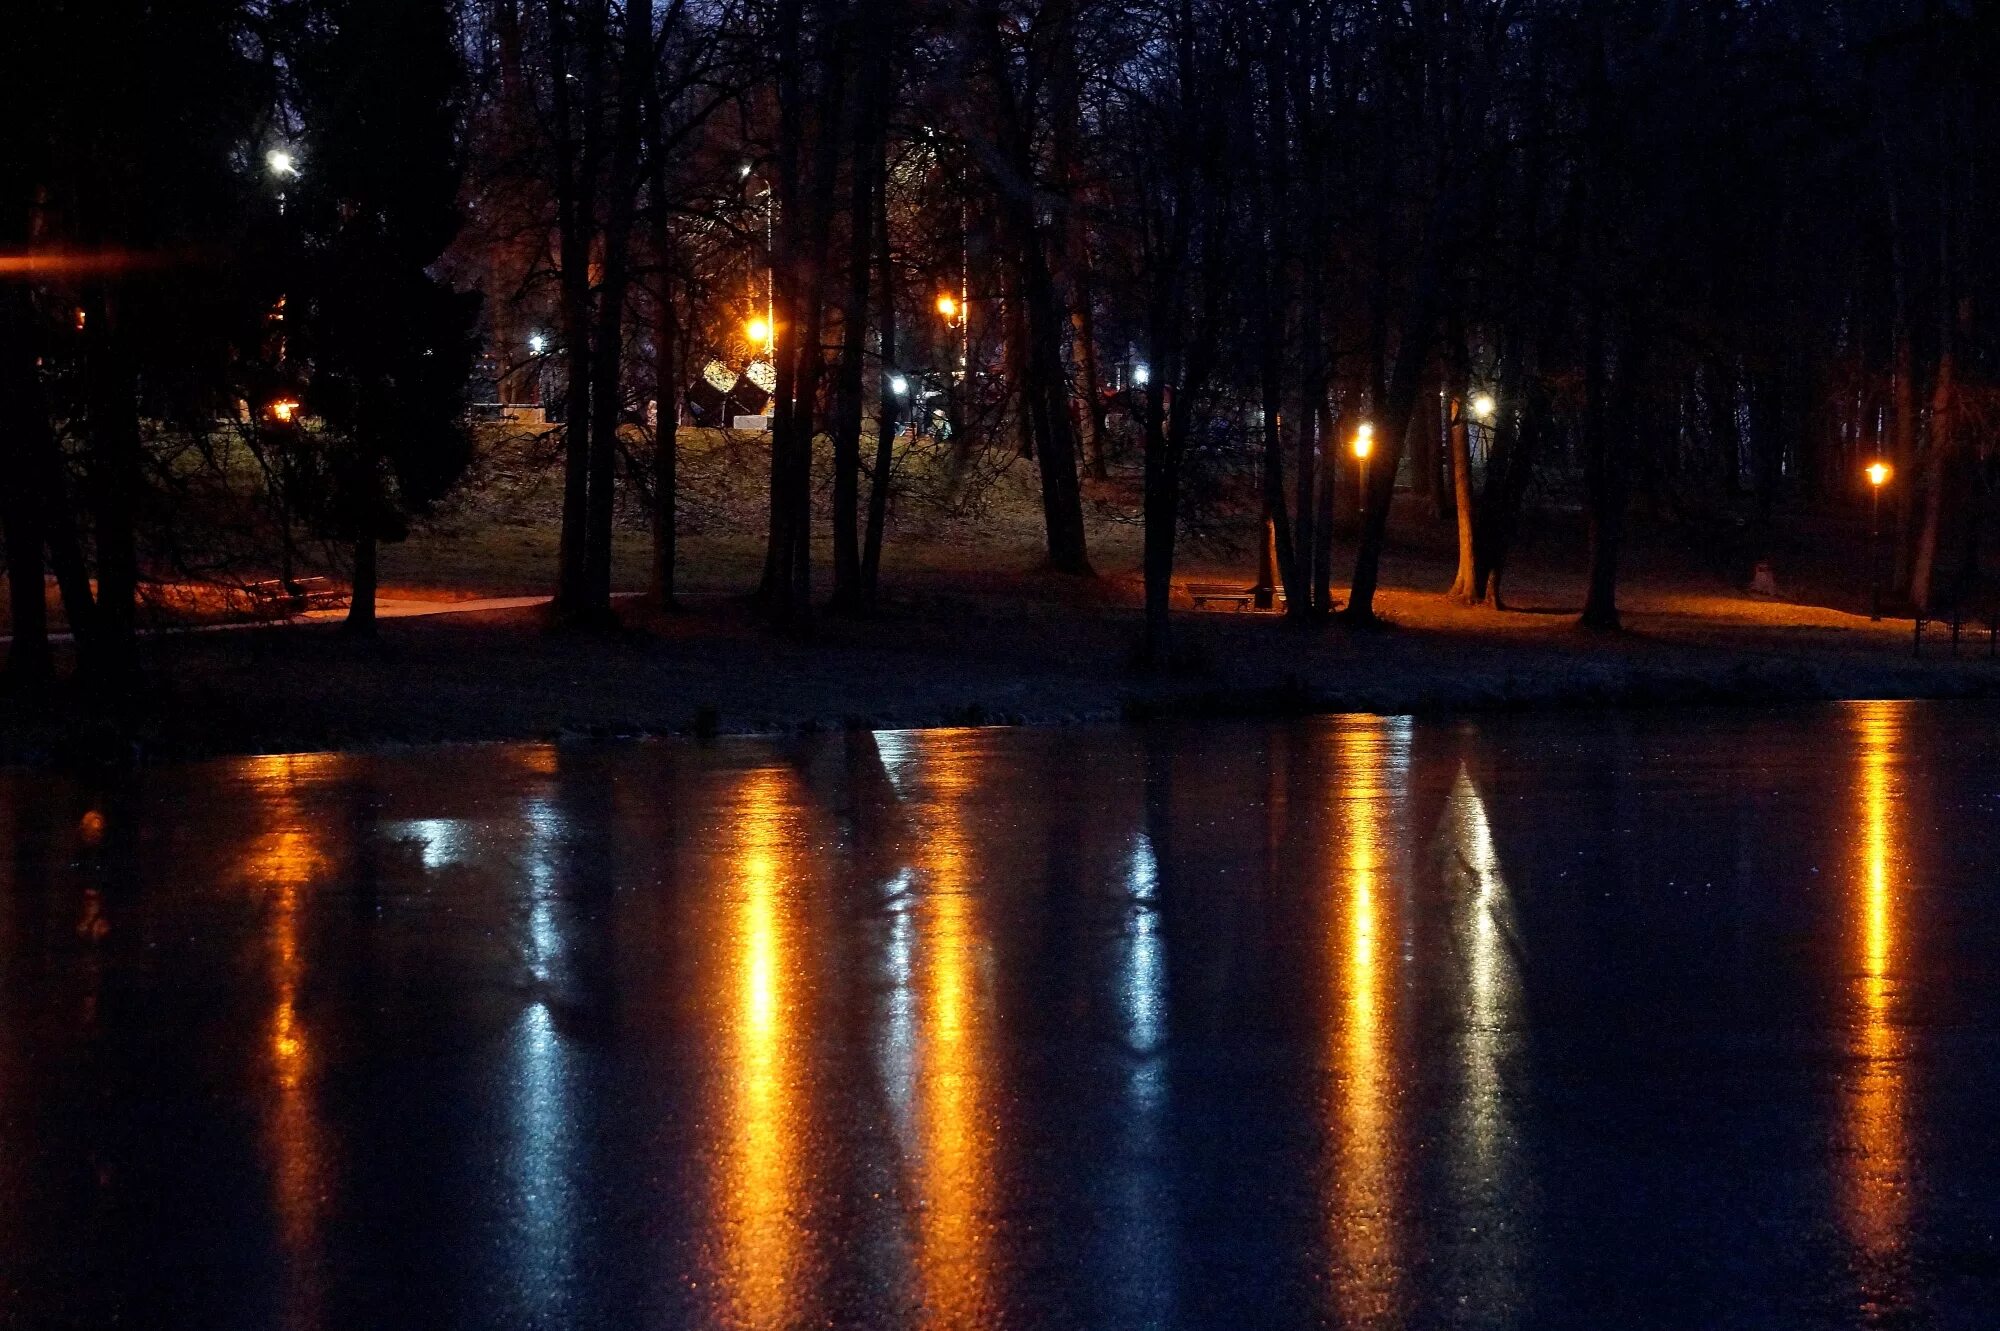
x=952, y=1172
x=1370, y=760
x=762, y=1202
x=807, y=1060
x=1876, y=1186
x=286, y=863
x=1497, y=1201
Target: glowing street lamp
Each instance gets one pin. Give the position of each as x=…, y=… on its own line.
x=758, y=330
x=1483, y=406
x=1142, y=375
x=1364, y=444
x=899, y=385
x=537, y=343
x=281, y=162
x=1878, y=474
x=947, y=306
x=283, y=410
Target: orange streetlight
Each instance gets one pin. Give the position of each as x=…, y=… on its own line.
x=283, y=410
x=947, y=306
x=1878, y=474
x=758, y=331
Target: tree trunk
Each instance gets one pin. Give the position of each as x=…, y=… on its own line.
x=890, y=408
x=1328, y=427
x=848, y=593
x=1045, y=387
x=805, y=208
x=666, y=425
x=607, y=398
x=575, y=192
x=1391, y=431
x=361, y=604
x=1465, y=587
x=1516, y=441
x=1609, y=420
x=1275, y=513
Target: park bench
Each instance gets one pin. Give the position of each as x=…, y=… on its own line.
x=274, y=598
x=1201, y=593
x=1968, y=601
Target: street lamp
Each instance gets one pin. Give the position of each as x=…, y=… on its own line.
x=947, y=306
x=1483, y=406
x=537, y=344
x=1878, y=476
x=282, y=163
x=758, y=331
x=1142, y=375
x=283, y=410
x=899, y=385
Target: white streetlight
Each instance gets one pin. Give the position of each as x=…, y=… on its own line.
x=1142, y=375
x=899, y=385
x=281, y=162
x=1483, y=406
x=537, y=343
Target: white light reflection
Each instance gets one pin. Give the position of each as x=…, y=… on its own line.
x=544, y=1261
x=899, y=758
x=1145, y=967
x=545, y=1138
x=1485, y=1166
x=899, y=1048
x=544, y=825
x=1140, y=1260
x=444, y=840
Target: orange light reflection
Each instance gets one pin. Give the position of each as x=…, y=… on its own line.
x=1875, y=1198
x=953, y=1093
x=283, y=862
x=763, y=1228
x=1363, y=1179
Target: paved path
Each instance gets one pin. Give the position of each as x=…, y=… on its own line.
x=386, y=607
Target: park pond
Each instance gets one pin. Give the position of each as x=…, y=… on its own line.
x=1666, y=1018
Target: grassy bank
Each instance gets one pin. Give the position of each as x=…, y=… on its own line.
x=1036, y=650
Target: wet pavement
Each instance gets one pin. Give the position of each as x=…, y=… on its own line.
x=1672, y=1019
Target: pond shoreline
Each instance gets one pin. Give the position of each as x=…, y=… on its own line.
x=503, y=675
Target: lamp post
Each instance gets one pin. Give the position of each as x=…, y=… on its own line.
x=1878, y=476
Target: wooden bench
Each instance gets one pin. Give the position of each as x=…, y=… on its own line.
x=1201, y=593
x=1973, y=603
x=273, y=597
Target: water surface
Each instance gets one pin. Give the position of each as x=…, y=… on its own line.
x=1663, y=1020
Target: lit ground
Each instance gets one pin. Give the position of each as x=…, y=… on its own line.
x=970, y=631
